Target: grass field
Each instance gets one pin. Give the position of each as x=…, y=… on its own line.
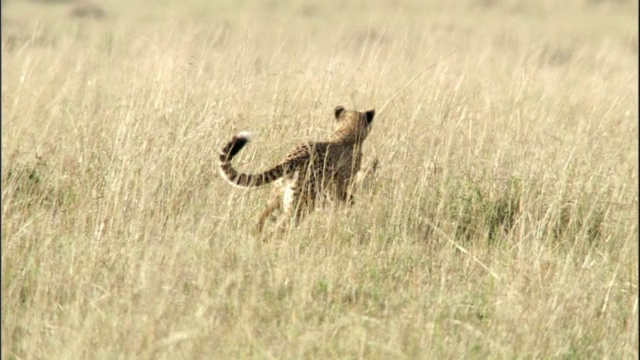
x=503, y=222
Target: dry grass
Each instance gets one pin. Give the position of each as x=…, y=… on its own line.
x=504, y=222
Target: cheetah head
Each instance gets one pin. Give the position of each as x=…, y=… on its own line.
x=353, y=125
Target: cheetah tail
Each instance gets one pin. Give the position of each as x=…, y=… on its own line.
x=229, y=173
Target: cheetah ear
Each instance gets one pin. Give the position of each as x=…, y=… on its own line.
x=370, y=114
x=339, y=110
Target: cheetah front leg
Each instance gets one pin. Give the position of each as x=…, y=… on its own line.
x=363, y=178
x=344, y=191
x=366, y=177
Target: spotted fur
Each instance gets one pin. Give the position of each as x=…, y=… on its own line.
x=310, y=172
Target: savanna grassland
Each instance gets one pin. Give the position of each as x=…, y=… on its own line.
x=503, y=221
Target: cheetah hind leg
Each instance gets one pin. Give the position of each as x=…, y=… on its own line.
x=296, y=205
x=274, y=205
x=290, y=203
x=291, y=219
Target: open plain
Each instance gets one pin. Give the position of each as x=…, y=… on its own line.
x=503, y=221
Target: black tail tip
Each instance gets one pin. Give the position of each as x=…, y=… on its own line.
x=234, y=146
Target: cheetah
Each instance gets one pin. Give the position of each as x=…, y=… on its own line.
x=312, y=171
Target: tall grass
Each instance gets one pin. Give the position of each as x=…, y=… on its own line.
x=503, y=222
